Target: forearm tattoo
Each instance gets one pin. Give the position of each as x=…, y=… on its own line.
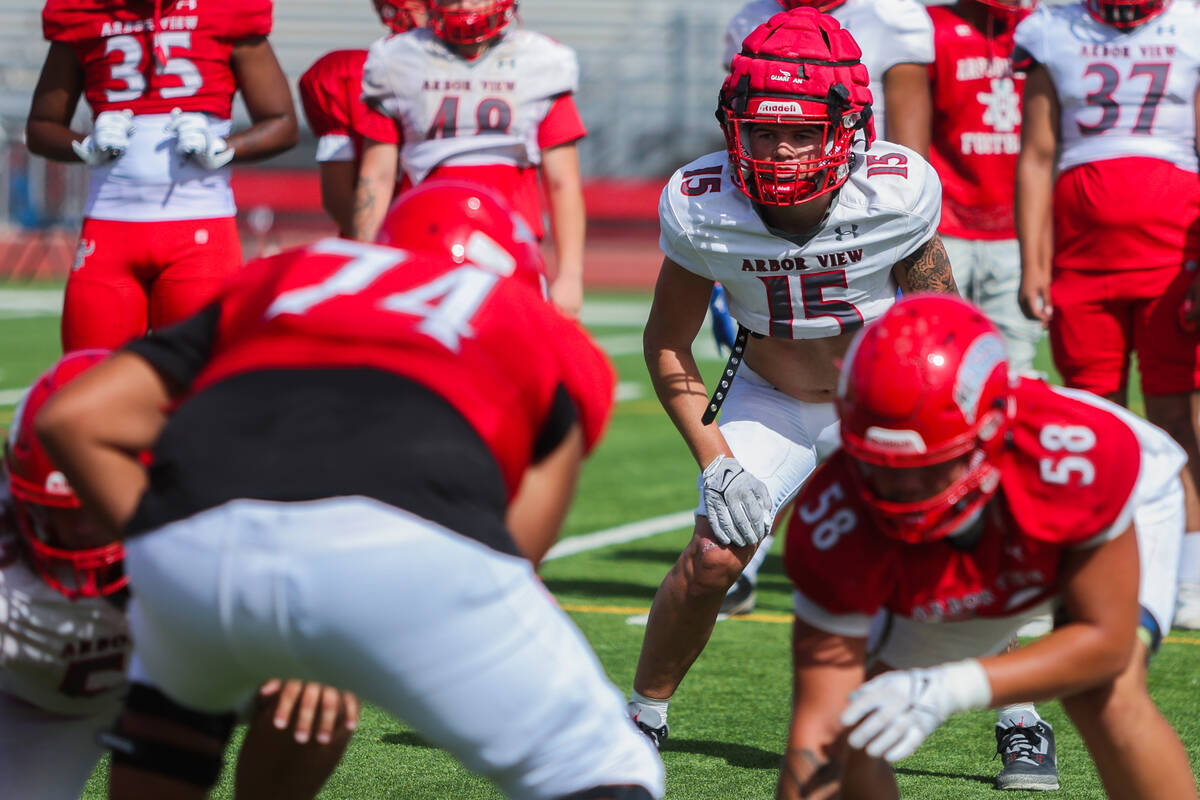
x=364, y=207
x=928, y=268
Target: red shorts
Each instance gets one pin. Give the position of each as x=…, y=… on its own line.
x=1126, y=214
x=1101, y=317
x=129, y=277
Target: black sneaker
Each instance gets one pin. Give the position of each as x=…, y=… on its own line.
x=739, y=599
x=656, y=735
x=1029, y=759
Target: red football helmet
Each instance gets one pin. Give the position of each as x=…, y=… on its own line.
x=926, y=384
x=402, y=15
x=798, y=68
x=1125, y=14
x=472, y=22
x=819, y=5
x=45, y=503
x=468, y=222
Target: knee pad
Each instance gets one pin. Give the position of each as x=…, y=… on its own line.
x=172, y=761
x=612, y=793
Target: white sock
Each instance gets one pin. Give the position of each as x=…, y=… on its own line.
x=1189, y=558
x=1022, y=715
x=756, y=561
x=647, y=709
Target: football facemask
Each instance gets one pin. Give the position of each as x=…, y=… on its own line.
x=923, y=386
x=472, y=21
x=1125, y=14
x=47, y=509
x=402, y=15
x=797, y=69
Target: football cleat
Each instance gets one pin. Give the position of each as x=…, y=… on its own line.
x=1187, y=607
x=645, y=718
x=1030, y=761
x=739, y=599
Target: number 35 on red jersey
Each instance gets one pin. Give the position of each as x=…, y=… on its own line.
x=828, y=285
x=117, y=42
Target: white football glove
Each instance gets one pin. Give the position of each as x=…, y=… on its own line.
x=739, y=504
x=897, y=710
x=194, y=140
x=108, y=140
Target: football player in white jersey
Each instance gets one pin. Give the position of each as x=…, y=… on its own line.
x=475, y=97
x=810, y=240
x=1108, y=212
x=66, y=645
x=896, y=39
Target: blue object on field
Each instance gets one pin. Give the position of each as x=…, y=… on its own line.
x=723, y=325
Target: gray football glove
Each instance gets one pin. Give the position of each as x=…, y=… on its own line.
x=739, y=505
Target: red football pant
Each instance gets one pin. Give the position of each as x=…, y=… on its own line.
x=130, y=277
x=1102, y=317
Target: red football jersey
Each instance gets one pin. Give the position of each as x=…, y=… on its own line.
x=976, y=127
x=331, y=92
x=489, y=345
x=1067, y=480
x=152, y=57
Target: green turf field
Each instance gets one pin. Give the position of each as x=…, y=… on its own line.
x=728, y=720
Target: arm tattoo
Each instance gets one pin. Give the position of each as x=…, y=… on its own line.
x=364, y=206
x=927, y=269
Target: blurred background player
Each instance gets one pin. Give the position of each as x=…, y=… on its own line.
x=67, y=644
x=809, y=240
x=159, y=234
x=976, y=136
x=331, y=95
x=1108, y=212
x=458, y=406
x=965, y=503
x=473, y=96
x=896, y=43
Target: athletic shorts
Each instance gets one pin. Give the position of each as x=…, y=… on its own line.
x=129, y=277
x=1100, y=318
x=778, y=439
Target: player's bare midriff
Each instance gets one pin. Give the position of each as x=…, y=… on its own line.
x=806, y=369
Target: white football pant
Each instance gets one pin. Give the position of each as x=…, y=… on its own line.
x=458, y=640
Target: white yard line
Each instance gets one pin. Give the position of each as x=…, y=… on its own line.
x=31, y=302
x=621, y=534
x=9, y=397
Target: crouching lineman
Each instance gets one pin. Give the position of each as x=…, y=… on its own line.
x=964, y=502
x=67, y=646
x=809, y=240
x=362, y=430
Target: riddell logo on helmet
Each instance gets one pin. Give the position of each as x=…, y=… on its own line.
x=897, y=441
x=780, y=107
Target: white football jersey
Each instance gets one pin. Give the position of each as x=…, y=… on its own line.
x=1122, y=93
x=889, y=32
x=459, y=112
x=64, y=656
x=831, y=284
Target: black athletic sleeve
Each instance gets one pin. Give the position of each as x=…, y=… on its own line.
x=562, y=416
x=180, y=351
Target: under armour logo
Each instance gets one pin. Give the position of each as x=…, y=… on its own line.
x=1166, y=30
x=844, y=232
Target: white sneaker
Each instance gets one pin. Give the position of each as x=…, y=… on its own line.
x=1187, y=607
